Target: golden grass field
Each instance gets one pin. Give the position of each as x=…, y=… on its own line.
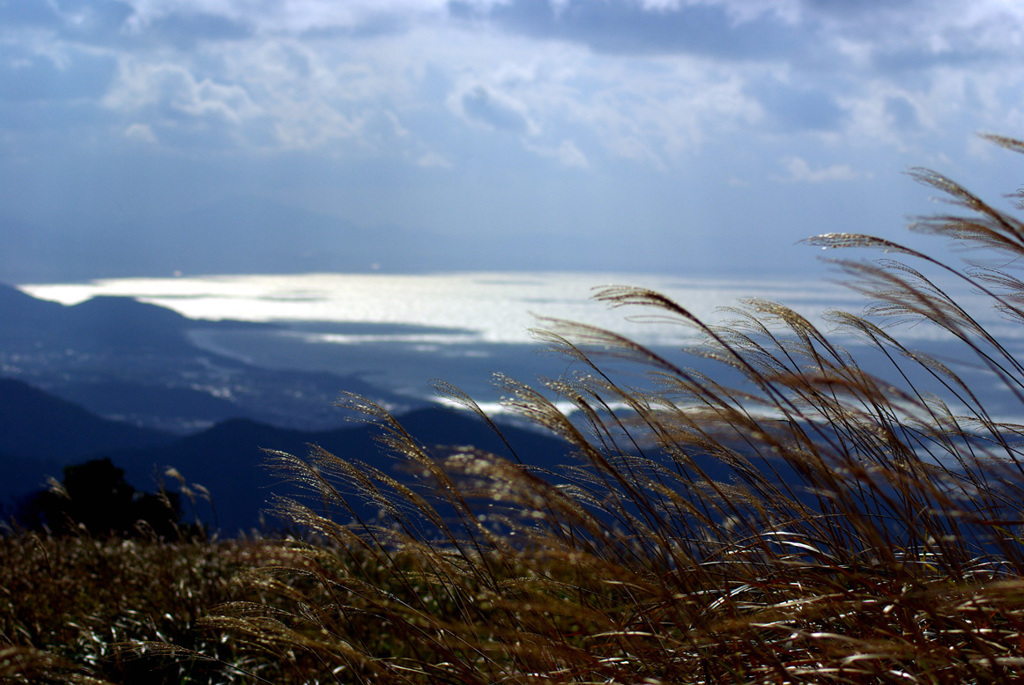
x=868, y=529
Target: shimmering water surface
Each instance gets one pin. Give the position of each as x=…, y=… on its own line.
x=400, y=331
x=486, y=307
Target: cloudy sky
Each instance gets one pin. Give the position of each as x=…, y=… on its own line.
x=680, y=136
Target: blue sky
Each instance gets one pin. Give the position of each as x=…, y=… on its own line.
x=143, y=137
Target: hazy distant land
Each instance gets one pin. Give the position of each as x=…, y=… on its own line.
x=208, y=393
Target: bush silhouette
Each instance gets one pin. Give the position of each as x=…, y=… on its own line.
x=96, y=499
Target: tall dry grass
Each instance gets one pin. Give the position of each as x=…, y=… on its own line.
x=113, y=611
x=811, y=523
x=807, y=522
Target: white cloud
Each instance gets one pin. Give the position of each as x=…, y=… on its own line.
x=285, y=89
x=492, y=108
x=433, y=160
x=566, y=153
x=740, y=10
x=173, y=90
x=315, y=126
x=142, y=133
x=266, y=103
x=800, y=171
x=661, y=113
x=305, y=92
x=277, y=17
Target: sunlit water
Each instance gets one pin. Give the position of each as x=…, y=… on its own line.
x=400, y=331
x=486, y=307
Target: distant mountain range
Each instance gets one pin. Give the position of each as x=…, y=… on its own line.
x=40, y=434
x=37, y=425
x=227, y=459
x=101, y=324
x=127, y=359
x=166, y=403
x=134, y=361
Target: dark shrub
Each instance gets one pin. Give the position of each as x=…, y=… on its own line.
x=96, y=499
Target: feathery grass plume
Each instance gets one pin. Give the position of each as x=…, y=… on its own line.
x=27, y=664
x=790, y=517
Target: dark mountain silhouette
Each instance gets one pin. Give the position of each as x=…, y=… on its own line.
x=37, y=425
x=130, y=360
x=116, y=323
x=104, y=323
x=228, y=459
x=25, y=316
x=40, y=434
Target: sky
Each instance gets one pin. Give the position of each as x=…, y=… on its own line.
x=695, y=137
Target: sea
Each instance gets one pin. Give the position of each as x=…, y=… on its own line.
x=404, y=331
